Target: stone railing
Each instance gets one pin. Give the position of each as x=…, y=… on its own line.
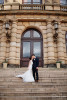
x=64, y=8
x=22, y=7
x=32, y=7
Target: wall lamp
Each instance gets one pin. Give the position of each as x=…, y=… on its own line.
x=55, y=36
x=8, y=36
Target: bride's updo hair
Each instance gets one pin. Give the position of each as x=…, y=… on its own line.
x=30, y=58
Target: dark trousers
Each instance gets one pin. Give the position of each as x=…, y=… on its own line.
x=35, y=71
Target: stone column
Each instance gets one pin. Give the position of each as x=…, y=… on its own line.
x=12, y=55
x=50, y=44
x=45, y=50
x=64, y=29
x=2, y=43
x=60, y=45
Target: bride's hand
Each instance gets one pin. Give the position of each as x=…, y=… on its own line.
x=36, y=67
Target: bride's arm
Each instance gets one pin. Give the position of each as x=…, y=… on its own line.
x=28, y=64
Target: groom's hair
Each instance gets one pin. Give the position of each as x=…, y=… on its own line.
x=33, y=54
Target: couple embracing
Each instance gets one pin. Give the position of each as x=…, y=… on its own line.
x=31, y=75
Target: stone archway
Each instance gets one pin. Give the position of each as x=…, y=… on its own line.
x=31, y=42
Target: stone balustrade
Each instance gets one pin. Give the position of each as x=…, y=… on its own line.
x=46, y=6
x=51, y=51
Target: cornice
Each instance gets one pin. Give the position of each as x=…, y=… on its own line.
x=31, y=12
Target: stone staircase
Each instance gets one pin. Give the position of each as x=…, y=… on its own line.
x=52, y=85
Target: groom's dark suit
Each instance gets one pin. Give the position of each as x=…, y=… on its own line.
x=35, y=64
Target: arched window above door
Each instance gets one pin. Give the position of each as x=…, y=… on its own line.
x=31, y=33
x=31, y=1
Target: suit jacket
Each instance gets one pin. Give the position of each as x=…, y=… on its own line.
x=35, y=62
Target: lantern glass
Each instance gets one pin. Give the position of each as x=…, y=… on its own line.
x=56, y=25
x=7, y=26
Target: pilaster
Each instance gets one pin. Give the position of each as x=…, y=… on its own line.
x=50, y=44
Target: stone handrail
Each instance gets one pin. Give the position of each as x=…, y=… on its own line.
x=43, y=7
x=32, y=7
x=64, y=8
x=22, y=7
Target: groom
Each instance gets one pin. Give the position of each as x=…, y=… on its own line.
x=35, y=67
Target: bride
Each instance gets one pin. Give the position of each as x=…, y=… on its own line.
x=28, y=76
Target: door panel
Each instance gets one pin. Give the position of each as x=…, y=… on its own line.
x=26, y=49
x=37, y=49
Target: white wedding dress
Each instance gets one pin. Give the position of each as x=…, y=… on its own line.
x=27, y=76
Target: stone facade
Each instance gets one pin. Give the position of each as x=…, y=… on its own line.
x=19, y=22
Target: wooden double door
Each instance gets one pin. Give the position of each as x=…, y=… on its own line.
x=31, y=43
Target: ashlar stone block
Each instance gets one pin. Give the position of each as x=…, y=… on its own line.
x=17, y=55
x=50, y=39
x=13, y=44
x=13, y=39
x=51, y=49
x=12, y=61
x=3, y=44
x=12, y=49
x=3, y=49
x=49, y=35
x=13, y=34
x=50, y=54
x=3, y=54
x=12, y=54
x=14, y=30
x=50, y=44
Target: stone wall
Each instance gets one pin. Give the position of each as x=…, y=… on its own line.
x=51, y=51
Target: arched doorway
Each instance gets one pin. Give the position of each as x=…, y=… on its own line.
x=31, y=43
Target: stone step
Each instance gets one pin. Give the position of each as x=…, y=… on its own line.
x=40, y=76
x=22, y=85
x=17, y=70
x=36, y=89
x=41, y=84
x=34, y=94
x=40, y=80
x=33, y=98
x=52, y=85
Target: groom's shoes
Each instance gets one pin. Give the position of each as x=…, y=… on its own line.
x=36, y=80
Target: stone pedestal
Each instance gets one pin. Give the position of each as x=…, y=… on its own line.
x=58, y=65
x=4, y=65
